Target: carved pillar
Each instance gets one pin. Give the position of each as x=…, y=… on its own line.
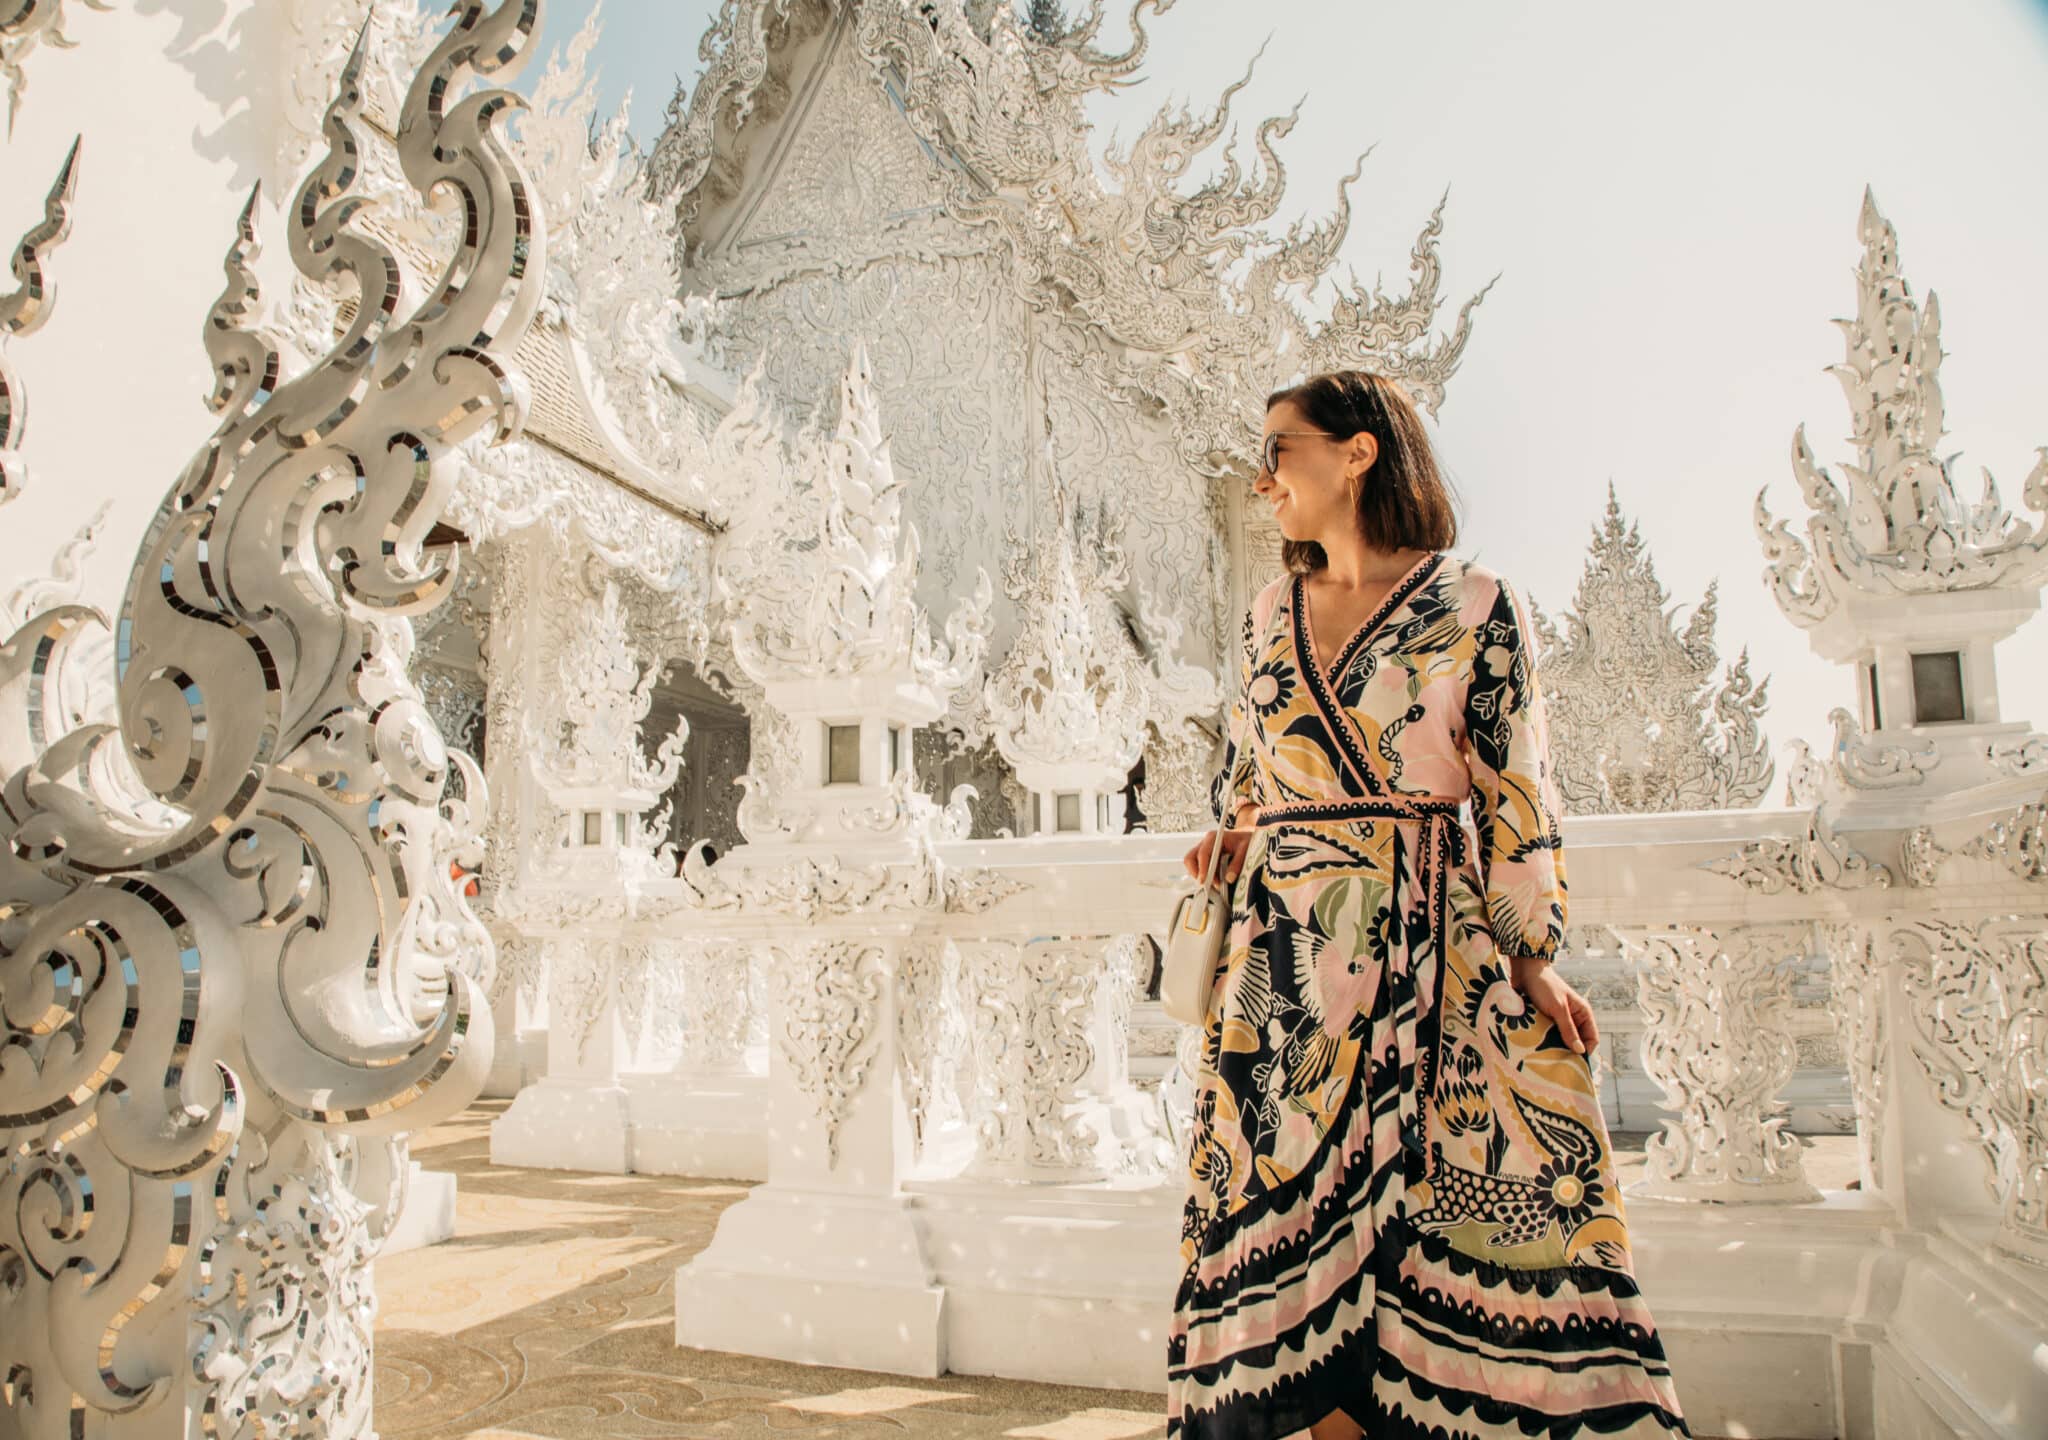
x=513, y=689
x=589, y=855
x=831, y=632
x=1856, y=994
x=829, y=1238
x=1718, y=1045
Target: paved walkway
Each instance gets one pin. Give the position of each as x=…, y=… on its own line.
x=551, y=1313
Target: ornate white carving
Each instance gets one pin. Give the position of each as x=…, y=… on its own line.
x=24, y=24
x=1179, y=763
x=1856, y=995
x=239, y=942
x=808, y=889
x=584, y=981
x=1817, y=860
x=1033, y=1019
x=606, y=331
x=1805, y=777
x=438, y=926
x=2016, y=842
x=282, y=1299
x=1719, y=1047
x=1637, y=720
x=718, y=1006
x=2022, y=757
x=933, y=1041
x=1861, y=763
x=937, y=194
x=27, y=308
x=1900, y=527
x=830, y=589
x=606, y=693
x=828, y=995
x=1979, y=1011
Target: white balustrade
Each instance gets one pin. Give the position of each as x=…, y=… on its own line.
x=1720, y=1044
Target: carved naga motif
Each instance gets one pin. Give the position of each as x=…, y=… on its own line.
x=208, y=991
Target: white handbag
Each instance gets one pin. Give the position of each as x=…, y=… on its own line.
x=1194, y=945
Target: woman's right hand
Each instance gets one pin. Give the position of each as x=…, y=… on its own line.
x=1235, y=842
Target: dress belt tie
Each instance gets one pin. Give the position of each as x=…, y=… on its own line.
x=1440, y=847
x=1343, y=812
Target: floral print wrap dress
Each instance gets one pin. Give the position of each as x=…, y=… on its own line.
x=1403, y=1204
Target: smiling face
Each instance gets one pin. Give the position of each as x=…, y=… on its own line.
x=1313, y=489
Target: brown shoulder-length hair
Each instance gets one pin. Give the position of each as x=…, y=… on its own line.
x=1405, y=502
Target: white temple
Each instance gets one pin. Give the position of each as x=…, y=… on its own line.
x=721, y=647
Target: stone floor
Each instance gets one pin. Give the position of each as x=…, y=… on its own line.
x=551, y=1313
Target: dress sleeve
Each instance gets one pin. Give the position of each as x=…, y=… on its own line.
x=1515, y=803
x=1256, y=620
x=1220, y=788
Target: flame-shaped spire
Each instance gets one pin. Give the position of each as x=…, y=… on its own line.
x=24, y=311
x=1896, y=526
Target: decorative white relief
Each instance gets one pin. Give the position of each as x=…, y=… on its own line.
x=1856, y=995
x=603, y=350
x=1860, y=763
x=440, y=934
x=27, y=308
x=2016, y=842
x=522, y=969
x=2022, y=757
x=718, y=1006
x=586, y=977
x=24, y=24
x=1817, y=860
x=1898, y=526
x=1179, y=764
x=236, y=943
x=807, y=889
x=830, y=589
x=1718, y=1045
x=282, y=1301
x=938, y=194
x=1978, y=994
x=606, y=693
x=933, y=1040
x=1638, y=721
x=1805, y=777
x=1034, y=1011
x=828, y=999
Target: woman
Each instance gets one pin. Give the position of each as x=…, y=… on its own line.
x=1404, y=1218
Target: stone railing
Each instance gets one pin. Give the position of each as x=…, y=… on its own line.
x=994, y=1077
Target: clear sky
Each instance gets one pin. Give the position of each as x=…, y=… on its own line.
x=1670, y=198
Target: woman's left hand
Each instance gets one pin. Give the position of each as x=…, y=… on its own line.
x=1552, y=994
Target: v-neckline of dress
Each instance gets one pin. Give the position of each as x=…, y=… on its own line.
x=1402, y=588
